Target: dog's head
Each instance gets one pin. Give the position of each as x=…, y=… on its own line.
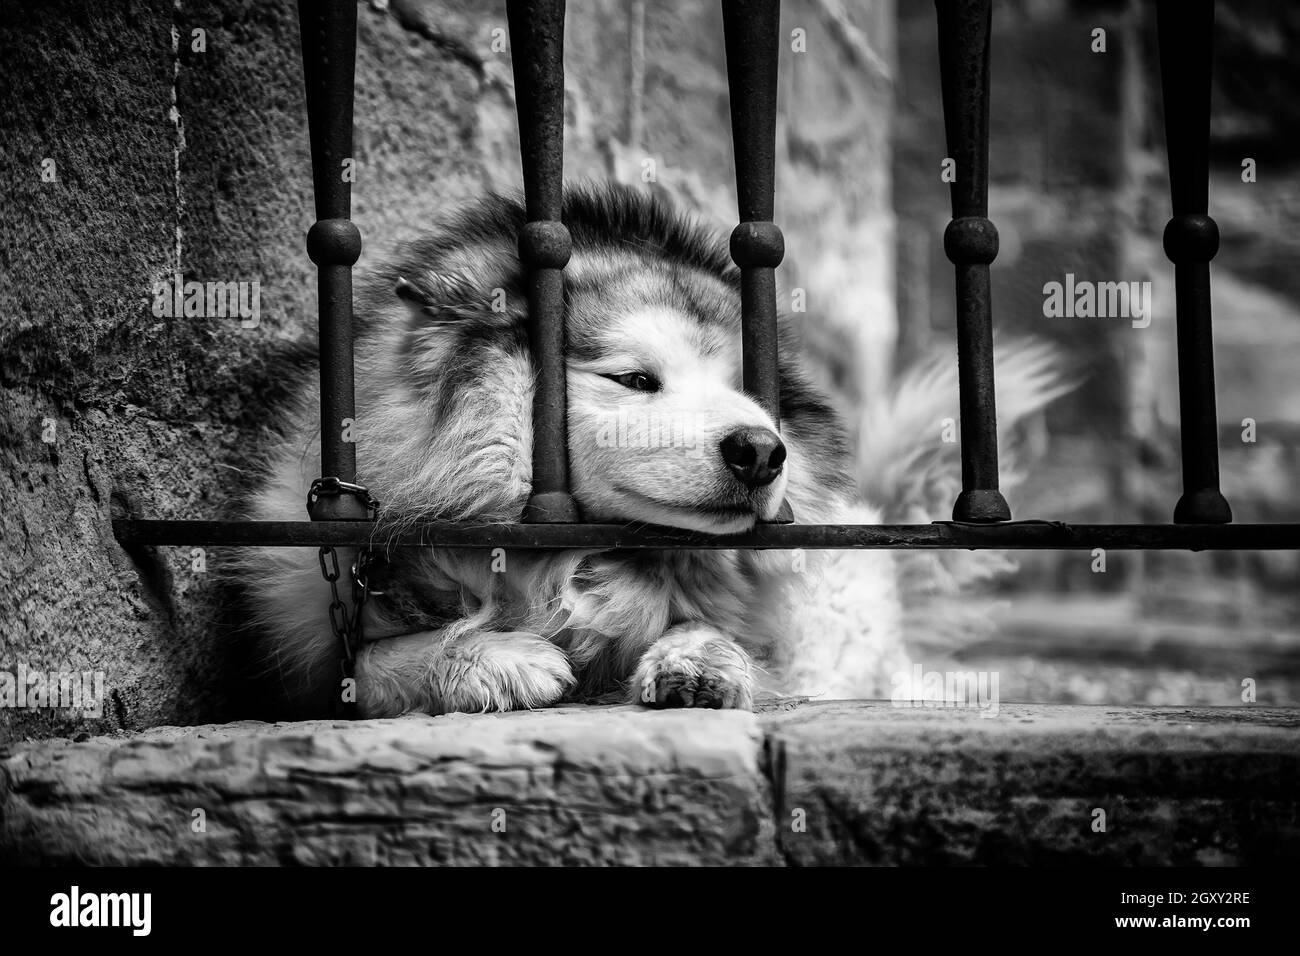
x=660, y=429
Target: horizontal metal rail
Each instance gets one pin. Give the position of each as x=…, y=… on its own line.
x=1010, y=536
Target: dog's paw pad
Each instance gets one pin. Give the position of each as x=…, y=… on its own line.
x=713, y=674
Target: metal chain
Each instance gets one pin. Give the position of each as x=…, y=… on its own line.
x=330, y=487
x=347, y=627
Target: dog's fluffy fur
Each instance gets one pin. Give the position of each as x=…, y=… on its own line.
x=444, y=404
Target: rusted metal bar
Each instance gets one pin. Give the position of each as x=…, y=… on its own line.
x=940, y=535
x=1185, y=30
x=752, y=31
x=971, y=243
x=329, y=46
x=537, y=54
x=1012, y=535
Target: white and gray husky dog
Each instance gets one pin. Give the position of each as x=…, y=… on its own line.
x=660, y=432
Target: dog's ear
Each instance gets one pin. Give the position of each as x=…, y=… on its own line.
x=442, y=298
x=412, y=294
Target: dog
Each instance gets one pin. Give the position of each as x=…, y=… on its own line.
x=660, y=432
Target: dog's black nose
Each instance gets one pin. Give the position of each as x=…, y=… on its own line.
x=754, y=455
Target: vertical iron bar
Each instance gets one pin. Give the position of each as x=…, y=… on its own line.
x=752, y=31
x=537, y=55
x=971, y=244
x=329, y=45
x=1185, y=30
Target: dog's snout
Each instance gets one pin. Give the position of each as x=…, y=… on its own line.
x=754, y=455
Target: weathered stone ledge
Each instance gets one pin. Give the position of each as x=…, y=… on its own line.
x=835, y=782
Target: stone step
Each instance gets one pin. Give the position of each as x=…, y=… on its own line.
x=815, y=783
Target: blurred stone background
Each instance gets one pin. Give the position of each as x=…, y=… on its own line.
x=1080, y=185
x=169, y=158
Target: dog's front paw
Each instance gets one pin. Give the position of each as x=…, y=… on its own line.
x=501, y=671
x=694, y=666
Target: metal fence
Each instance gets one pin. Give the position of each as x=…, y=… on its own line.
x=340, y=510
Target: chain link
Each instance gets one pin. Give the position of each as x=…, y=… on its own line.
x=332, y=487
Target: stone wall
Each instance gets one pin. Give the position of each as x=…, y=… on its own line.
x=836, y=783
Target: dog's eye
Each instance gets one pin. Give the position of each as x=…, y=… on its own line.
x=637, y=381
